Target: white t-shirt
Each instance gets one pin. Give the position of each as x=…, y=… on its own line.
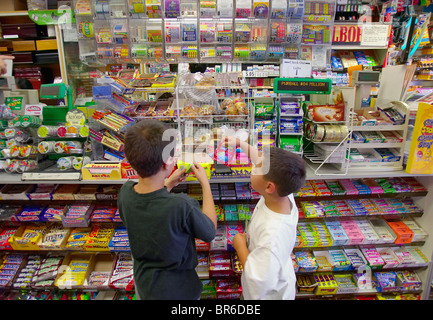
x=268, y=273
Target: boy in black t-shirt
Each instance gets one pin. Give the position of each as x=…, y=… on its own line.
x=162, y=226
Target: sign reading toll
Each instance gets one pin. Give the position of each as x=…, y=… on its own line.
x=302, y=86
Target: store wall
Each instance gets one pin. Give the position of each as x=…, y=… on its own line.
x=426, y=221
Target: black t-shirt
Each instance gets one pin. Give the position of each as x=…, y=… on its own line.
x=162, y=228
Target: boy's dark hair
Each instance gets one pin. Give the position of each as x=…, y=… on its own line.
x=286, y=171
x=23, y=84
x=144, y=146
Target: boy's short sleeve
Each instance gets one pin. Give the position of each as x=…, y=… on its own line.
x=200, y=225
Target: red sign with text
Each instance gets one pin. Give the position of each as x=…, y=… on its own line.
x=347, y=34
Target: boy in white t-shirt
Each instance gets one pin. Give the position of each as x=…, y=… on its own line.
x=265, y=249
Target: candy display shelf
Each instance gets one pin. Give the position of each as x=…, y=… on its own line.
x=396, y=190
x=19, y=13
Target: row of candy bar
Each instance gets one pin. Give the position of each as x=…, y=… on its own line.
x=357, y=258
x=345, y=231
x=357, y=207
x=350, y=231
x=327, y=283
x=50, y=294
x=120, y=240
x=10, y=264
x=221, y=191
x=75, y=274
x=53, y=191
x=47, y=271
x=234, y=212
x=71, y=215
x=43, y=271
x=221, y=289
x=360, y=186
x=122, y=277
x=404, y=281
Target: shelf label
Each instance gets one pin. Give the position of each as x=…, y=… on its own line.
x=375, y=35
x=302, y=86
x=296, y=68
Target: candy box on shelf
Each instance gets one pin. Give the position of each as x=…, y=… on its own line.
x=346, y=283
x=373, y=257
x=220, y=240
x=420, y=259
x=306, y=261
x=306, y=282
x=103, y=213
x=323, y=260
x=313, y=209
x=16, y=191
x=120, y=240
x=74, y=270
x=408, y=281
x=65, y=192
x=86, y=192
x=100, y=271
x=108, y=192
x=42, y=192
x=28, y=236
x=335, y=187
x=201, y=245
x=386, y=281
x=237, y=265
x=339, y=260
x=389, y=257
x=77, y=238
x=419, y=233
x=7, y=232
x=243, y=190
x=405, y=256
x=209, y=289
x=326, y=284
x=47, y=270
x=53, y=213
x=356, y=258
x=383, y=230
x=220, y=264
x=414, y=184
x=24, y=276
x=403, y=232
x=7, y=212
x=30, y=213
x=227, y=191
x=228, y=289
x=231, y=231
x=372, y=184
x=321, y=188
x=122, y=276
x=10, y=264
x=77, y=214
x=203, y=262
x=99, y=237
x=352, y=230
x=370, y=236
x=54, y=238
x=337, y=232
